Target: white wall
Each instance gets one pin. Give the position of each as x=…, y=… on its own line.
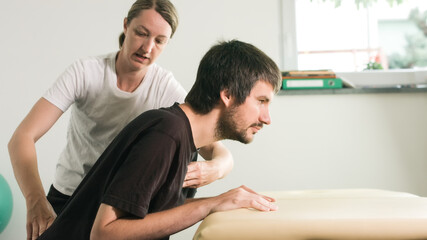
x=317, y=141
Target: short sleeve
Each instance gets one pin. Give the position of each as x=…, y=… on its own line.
x=173, y=92
x=67, y=88
x=141, y=174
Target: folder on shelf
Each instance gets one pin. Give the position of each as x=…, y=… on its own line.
x=326, y=73
x=312, y=83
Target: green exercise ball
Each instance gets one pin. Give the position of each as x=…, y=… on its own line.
x=6, y=203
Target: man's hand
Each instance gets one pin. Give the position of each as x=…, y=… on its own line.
x=40, y=215
x=243, y=197
x=200, y=174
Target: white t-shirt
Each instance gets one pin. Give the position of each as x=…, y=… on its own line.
x=100, y=110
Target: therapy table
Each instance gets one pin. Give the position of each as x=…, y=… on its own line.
x=339, y=214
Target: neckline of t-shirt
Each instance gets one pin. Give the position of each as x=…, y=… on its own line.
x=187, y=123
x=140, y=88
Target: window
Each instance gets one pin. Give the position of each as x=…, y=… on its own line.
x=351, y=38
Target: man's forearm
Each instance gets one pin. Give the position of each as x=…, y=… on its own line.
x=154, y=225
x=111, y=223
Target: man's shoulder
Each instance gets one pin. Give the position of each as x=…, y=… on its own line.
x=168, y=117
x=171, y=120
x=153, y=117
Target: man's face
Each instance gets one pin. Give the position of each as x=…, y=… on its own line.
x=243, y=121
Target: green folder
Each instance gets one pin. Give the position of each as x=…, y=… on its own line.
x=312, y=83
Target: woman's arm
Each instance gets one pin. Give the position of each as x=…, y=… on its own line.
x=22, y=151
x=219, y=163
x=111, y=223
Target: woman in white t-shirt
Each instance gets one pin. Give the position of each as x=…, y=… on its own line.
x=104, y=93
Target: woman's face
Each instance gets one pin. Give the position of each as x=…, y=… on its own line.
x=146, y=36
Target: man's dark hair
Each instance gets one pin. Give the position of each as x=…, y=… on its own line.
x=234, y=66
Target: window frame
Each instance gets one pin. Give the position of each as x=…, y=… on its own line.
x=378, y=78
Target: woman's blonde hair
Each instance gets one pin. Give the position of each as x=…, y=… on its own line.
x=164, y=7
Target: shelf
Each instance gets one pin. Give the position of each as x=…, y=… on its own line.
x=351, y=91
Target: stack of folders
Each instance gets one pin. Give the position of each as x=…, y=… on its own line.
x=310, y=79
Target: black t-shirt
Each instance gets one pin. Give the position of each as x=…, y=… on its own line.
x=140, y=172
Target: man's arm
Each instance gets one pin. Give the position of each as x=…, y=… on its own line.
x=219, y=163
x=111, y=223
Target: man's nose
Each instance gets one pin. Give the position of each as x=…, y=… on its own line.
x=265, y=117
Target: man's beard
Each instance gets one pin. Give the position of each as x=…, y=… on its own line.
x=226, y=127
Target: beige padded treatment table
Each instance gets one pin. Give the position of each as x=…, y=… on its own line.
x=355, y=214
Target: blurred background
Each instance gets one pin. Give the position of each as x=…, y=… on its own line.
x=315, y=141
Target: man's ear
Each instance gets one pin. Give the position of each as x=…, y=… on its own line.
x=225, y=97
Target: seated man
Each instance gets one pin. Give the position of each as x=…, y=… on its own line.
x=134, y=190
